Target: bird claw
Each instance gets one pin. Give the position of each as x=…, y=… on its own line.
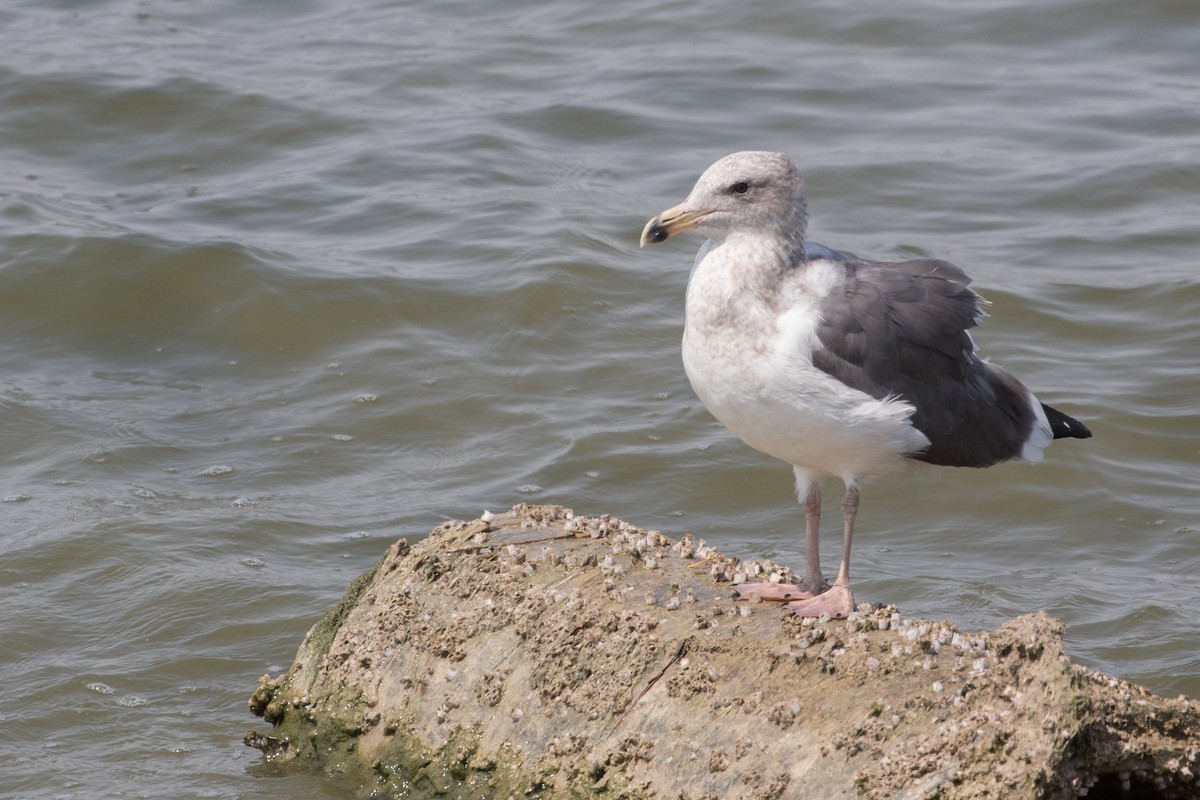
x=837, y=602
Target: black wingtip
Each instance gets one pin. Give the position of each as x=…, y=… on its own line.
x=1065, y=427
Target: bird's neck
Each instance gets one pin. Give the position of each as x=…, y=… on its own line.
x=764, y=254
x=741, y=272
x=791, y=232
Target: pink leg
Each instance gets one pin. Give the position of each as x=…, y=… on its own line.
x=812, y=533
x=814, y=581
x=838, y=601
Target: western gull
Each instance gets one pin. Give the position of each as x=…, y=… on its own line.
x=842, y=367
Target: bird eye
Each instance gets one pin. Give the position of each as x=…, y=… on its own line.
x=741, y=188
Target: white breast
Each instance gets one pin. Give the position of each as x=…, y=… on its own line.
x=749, y=359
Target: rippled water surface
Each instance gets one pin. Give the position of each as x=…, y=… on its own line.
x=282, y=282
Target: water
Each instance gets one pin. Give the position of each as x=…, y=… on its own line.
x=280, y=283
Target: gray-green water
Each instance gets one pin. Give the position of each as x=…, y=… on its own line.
x=281, y=282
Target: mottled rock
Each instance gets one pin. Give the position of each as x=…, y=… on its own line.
x=539, y=654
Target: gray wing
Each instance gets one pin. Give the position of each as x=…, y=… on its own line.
x=900, y=330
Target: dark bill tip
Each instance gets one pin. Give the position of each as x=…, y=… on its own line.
x=654, y=232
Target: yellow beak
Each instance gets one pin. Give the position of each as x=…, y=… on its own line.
x=669, y=223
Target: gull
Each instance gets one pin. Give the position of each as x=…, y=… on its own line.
x=842, y=367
